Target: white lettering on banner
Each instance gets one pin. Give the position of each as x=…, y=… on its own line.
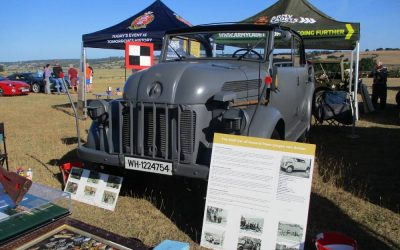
x=286, y=18
x=144, y=40
x=241, y=35
x=127, y=35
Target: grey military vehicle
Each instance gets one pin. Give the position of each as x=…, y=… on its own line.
x=241, y=79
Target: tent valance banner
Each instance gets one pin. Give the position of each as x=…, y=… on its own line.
x=318, y=30
x=149, y=26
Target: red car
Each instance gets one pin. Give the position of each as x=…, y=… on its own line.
x=9, y=87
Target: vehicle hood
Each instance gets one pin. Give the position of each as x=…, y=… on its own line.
x=182, y=82
x=16, y=84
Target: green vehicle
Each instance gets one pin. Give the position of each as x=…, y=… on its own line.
x=330, y=75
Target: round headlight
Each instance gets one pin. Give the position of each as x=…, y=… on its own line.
x=97, y=110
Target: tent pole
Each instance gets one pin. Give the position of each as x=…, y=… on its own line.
x=351, y=72
x=356, y=77
x=82, y=85
x=79, y=113
x=354, y=93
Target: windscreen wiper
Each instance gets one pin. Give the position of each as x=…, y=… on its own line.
x=176, y=52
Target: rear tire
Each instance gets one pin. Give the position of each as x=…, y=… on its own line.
x=35, y=88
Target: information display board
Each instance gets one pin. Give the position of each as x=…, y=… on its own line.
x=94, y=188
x=258, y=194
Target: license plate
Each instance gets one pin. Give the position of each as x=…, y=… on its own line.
x=24, y=90
x=158, y=167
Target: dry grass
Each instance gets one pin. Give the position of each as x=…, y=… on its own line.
x=355, y=185
x=387, y=57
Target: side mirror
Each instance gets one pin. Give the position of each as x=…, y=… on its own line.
x=286, y=35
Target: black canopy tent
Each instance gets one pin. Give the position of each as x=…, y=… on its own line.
x=318, y=30
x=148, y=25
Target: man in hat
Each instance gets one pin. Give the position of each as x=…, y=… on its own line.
x=379, y=87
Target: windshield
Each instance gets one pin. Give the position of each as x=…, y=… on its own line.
x=241, y=45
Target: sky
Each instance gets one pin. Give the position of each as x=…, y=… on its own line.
x=48, y=29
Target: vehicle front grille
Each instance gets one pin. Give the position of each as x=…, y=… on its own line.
x=155, y=132
x=158, y=131
x=126, y=133
x=188, y=127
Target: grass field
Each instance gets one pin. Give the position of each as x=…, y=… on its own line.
x=355, y=185
x=389, y=58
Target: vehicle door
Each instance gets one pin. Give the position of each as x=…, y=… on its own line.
x=300, y=164
x=286, y=76
x=300, y=66
x=290, y=76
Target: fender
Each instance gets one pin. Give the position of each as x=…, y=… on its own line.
x=264, y=122
x=93, y=139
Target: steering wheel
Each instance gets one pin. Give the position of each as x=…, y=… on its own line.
x=247, y=52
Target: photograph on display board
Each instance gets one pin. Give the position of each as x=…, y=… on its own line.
x=68, y=237
x=286, y=246
x=76, y=173
x=94, y=177
x=114, y=181
x=295, y=166
x=214, y=238
x=290, y=232
x=90, y=192
x=246, y=242
x=71, y=187
x=109, y=198
x=251, y=223
x=216, y=215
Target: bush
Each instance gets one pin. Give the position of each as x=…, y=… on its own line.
x=1, y=68
x=367, y=64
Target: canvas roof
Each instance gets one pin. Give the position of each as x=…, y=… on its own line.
x=318, y=30
x=148, y=25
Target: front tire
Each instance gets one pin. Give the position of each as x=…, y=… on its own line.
x=275, y=135
x=289, y=169
x=1, y=92
x=35, y=88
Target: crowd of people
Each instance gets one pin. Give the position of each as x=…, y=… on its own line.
x=57, y=72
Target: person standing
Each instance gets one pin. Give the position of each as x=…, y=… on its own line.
x=47, y=74
x=379, y=86
x=73, y=77
x=89, y=78
x=59, y=75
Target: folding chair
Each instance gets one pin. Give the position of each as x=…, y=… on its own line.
x=3, y=152
x=335, y=108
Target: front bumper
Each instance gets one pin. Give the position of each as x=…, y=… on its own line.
x=180, y=169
